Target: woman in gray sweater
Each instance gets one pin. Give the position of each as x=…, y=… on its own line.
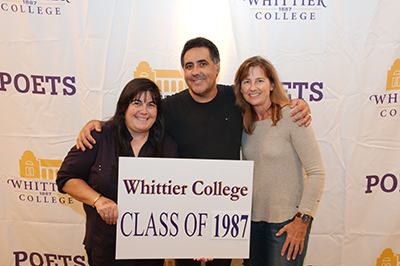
x=284, y=196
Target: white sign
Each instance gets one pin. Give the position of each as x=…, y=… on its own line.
x=183, y=208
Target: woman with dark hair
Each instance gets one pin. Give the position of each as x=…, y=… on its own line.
x=284, y=200
x=136, y=129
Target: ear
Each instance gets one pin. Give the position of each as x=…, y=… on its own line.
x=218, y=67
x=272, y=86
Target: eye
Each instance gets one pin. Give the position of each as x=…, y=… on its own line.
x=260, y=80
x=135, y=103
x=245, y=82
x=189, y=66
x=152, y=105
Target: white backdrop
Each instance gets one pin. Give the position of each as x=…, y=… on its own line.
x=65, y=62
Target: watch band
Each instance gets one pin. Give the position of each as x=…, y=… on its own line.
x=304, y=217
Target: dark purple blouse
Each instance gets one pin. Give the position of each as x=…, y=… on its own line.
x=99, y=168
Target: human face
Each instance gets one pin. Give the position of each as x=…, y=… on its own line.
x=256, y=89
x=141, y=114
x=200, y=74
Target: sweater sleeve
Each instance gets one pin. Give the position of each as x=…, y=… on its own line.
x=307, y=149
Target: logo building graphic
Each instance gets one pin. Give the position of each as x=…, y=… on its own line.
x=393, y=77
x=388, y=102
x=38, y=181
x=31, y=167
x=387, y=258
x=168, y=81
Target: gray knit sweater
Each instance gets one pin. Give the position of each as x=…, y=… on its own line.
x=280, y=187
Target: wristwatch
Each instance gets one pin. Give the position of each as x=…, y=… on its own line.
x=304, y=217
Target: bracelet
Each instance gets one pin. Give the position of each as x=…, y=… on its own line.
x=95, y=200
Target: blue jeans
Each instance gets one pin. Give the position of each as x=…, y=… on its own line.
x=265, y=247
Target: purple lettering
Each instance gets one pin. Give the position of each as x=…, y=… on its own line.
x=64, y=258
x=49, y=259
x=163, y=223
x=18, y=258
x=16, y=84
x=66, y=84
x=80, y=260
x=151, y=225
x=190, y=233
x=4, y=81
x=36, y=84
x=372, y=180
x=174, y=224
x=313, y=86
x=123, y=224
x=32, y=259
x=201, y=222
x=383, y=187
x=301, y=85
x=53, y=80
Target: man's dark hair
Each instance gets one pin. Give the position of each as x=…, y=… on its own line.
x=201, y=42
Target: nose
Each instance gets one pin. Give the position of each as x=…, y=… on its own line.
x=143, y=110
x=195, y=70
x=253, y=86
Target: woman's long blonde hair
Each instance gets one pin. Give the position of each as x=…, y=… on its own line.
x=278, y=95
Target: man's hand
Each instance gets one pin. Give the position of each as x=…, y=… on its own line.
x=295, y=235
x=203, y=259
x=85, y=139
x=301, y=112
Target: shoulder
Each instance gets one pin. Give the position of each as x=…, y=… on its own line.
x=225, y=89
x=287, y=121
x=170, y=146
x=285, y=111
x=106, y=132
x=169, y=139
x=176, y=97
x=226, y=93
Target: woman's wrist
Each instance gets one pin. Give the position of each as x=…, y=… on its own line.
x=95, y=200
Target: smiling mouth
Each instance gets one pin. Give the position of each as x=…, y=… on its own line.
x=141, y=119
x=198, y=79
x=254, y=94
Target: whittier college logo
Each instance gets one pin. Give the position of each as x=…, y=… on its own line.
x=388, y=103
x=388, y=258
x=168, y=81
x=36, y=7
x=37, y=183
x=286, y=10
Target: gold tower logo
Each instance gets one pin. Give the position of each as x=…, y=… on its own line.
x=31, y=167
x=388, y=258
x=38, y=181
x=393, y=77
x=388, y=102
x=168, y=81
